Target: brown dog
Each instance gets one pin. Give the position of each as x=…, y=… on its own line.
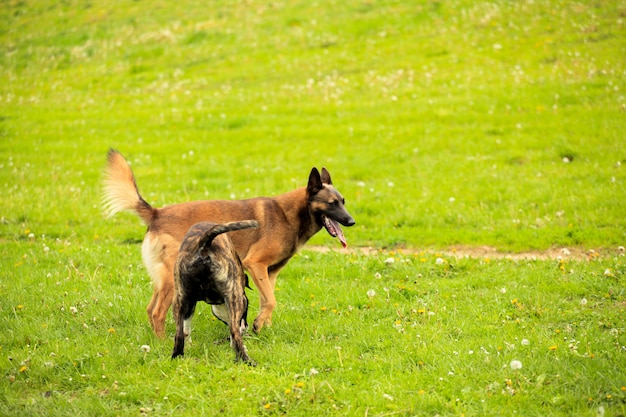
x=208, y=269
x=286, y=223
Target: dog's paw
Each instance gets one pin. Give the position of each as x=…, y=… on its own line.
x=245, y=359
x=260, y=322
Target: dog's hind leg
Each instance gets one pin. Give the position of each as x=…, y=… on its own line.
x=151, y=304
x=187, y=329
x=183, y=313
x=163, y=303
x=236, y=340
x=161, y=273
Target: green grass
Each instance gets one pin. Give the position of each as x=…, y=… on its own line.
x=433, y=338
x=442, y=123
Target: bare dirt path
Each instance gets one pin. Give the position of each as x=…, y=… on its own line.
x=485, y=252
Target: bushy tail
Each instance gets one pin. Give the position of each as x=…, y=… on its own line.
x=218, y=229
x=120, y=189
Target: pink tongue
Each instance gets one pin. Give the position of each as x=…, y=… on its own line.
x=339, y=232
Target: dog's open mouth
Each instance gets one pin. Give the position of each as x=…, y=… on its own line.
x=334, y=229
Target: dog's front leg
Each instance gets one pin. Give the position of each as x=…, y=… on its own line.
x=267, y=300
x=273, y=276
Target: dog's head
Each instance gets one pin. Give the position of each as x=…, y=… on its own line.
x=327, y=204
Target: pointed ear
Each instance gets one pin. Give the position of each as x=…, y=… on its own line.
x=326, y=176
x=315, y=182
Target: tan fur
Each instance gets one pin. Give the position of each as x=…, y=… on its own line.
x=286, y=223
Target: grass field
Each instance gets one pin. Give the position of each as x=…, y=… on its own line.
x=446, y=125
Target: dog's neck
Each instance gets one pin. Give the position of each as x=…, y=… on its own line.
x=295, y=206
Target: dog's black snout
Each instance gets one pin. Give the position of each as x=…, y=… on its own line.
x=349, y=222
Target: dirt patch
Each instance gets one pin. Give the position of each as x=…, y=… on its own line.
x=483, y=252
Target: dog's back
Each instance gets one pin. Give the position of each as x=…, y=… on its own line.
x=168, y=225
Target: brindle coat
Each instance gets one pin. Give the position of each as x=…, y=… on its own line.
x=208, y=269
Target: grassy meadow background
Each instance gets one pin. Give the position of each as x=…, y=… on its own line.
x=447, y=125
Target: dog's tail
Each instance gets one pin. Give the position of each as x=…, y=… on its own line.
x=120, y=189
x=218, y=229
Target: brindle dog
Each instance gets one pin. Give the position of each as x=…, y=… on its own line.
x=208, y=269
x=286, y=223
